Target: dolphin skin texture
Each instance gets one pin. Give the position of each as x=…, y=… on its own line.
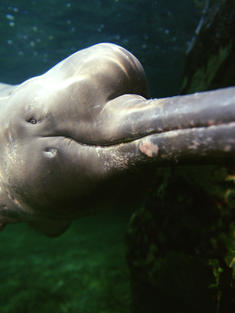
x=87, y=123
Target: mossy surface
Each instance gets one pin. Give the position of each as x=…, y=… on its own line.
x=210, y=62
x=204, y=76
x=181, y=245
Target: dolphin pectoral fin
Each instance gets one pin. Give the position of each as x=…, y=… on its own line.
x=2, y=225
x=4, y=220
x=50, y=228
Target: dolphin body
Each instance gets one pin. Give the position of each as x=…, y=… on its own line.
x=68, y=134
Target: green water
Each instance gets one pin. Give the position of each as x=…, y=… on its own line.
x=84, y=270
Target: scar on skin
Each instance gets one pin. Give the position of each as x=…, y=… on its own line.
x=148, y=148
x=227, y=148
x=210, y=123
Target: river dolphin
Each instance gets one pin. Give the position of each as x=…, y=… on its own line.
x=68, y=132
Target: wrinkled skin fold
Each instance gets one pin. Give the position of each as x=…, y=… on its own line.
x=67, y=132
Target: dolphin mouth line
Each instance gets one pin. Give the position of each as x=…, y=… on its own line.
x=166, y=133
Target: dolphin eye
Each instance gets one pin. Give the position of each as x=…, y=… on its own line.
x=32, y=120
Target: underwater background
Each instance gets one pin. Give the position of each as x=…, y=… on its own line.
x=37, y=34
x=87, y=269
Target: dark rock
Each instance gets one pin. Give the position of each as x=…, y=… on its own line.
x=181, y=244
x=210, y=63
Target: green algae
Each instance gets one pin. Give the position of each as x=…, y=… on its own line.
x=204, y=75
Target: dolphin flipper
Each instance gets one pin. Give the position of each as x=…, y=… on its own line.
x=50, y=228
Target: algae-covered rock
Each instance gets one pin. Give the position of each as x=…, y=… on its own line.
x=181, y=244
x=210, y=60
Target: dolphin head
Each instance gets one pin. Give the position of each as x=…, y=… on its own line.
x=73, y=130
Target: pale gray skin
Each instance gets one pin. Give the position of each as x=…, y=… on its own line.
x=67, y=133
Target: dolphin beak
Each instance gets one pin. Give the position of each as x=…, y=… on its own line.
x=184, y=129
